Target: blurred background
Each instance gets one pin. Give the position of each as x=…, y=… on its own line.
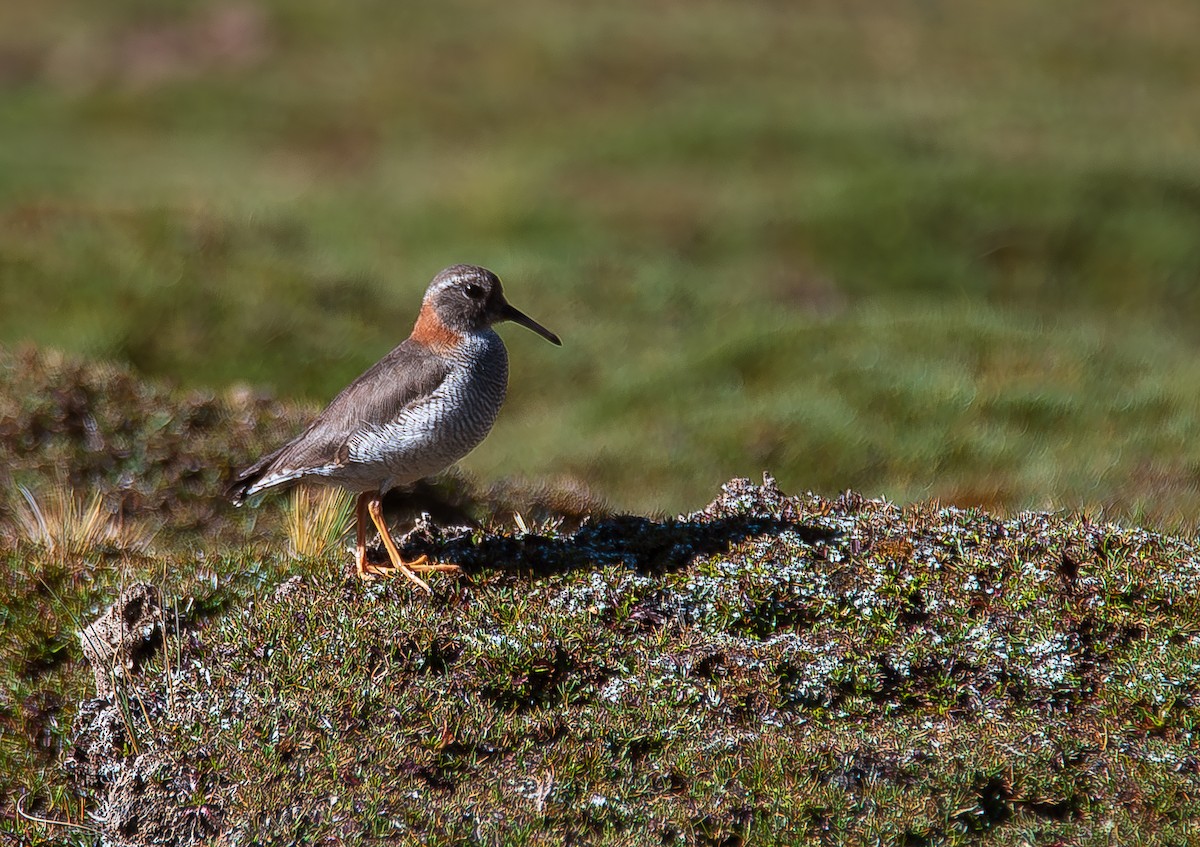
x=934, y=248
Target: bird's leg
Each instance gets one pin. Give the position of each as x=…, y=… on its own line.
x=375, y=508
x=360, y=532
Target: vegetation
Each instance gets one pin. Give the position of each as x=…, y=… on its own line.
x=920, y=250
x=767, y=671
x=317, y=519
x=938, y=250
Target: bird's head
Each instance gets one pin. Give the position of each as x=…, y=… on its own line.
x=465, y=298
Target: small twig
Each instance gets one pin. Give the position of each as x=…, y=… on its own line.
x=24, y=815
x=166, y=654
x=142, y=702
x=178, y=640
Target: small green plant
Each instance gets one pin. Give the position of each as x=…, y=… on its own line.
x=317, y=520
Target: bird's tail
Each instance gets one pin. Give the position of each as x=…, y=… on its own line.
x=244, y=484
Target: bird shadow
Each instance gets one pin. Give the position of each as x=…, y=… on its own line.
x=643, y=544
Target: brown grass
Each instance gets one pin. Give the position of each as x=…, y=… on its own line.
x=317, y=520
x=69, y=525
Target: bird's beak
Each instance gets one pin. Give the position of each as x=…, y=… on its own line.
x=511, y=313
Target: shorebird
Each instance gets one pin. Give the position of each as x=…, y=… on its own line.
x=412, y=414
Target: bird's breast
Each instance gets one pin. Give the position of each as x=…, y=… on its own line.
x=432, y=433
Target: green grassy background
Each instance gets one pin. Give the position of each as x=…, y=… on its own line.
x=916, y=248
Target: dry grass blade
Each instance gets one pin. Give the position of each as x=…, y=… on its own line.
x=317, y=519
x=64, y=524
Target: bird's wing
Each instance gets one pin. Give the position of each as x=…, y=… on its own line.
x=374, y=399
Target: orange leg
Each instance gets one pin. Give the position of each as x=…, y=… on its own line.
x=360, y=532
x=374, y=506
x=375, y=510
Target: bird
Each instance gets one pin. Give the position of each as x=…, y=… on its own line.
x=412, y=414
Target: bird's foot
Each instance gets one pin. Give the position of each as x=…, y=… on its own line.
x=421, y=566
x=367, y=571
x=371, y=504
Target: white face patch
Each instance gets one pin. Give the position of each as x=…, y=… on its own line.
x=459, y=276
x=455, y=281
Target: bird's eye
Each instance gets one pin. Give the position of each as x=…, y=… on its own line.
x=474, y=291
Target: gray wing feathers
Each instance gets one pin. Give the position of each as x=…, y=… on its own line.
x=405, y=375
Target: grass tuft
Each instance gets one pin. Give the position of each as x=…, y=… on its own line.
x=66, y=525
x=317, y=520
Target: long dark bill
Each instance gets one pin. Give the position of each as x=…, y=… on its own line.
x=517, y=316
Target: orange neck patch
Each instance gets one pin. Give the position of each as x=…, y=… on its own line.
x=431, y=332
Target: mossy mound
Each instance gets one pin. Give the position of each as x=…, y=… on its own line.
x=768, y=670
